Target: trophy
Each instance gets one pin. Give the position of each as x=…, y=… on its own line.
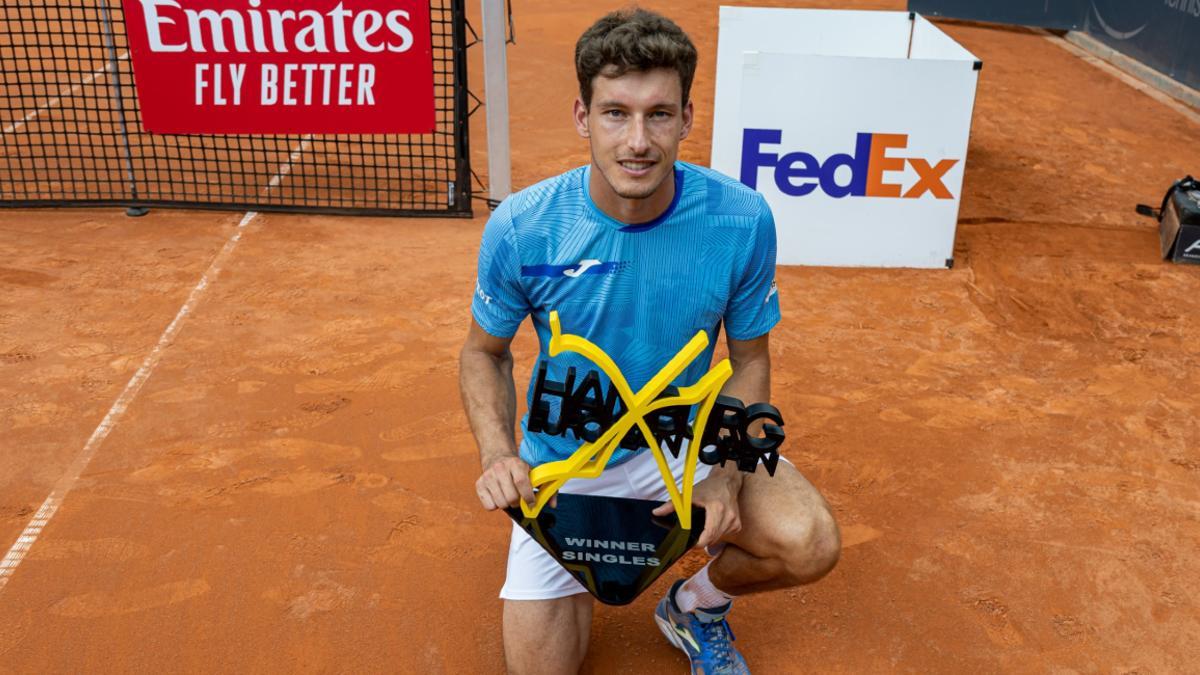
x=615, y=546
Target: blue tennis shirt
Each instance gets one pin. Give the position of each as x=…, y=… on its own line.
x=639, y=292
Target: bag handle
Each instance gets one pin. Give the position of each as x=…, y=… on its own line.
x=1185, y=183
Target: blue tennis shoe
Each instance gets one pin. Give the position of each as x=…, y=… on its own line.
x=704, y=635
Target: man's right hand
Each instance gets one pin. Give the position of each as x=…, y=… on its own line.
x=504, y=482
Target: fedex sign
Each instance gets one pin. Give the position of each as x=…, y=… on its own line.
x=853, y=125
x=875, y=155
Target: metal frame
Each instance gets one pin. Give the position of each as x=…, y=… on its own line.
x=495, y=69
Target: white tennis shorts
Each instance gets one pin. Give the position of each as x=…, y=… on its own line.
x=534, y=575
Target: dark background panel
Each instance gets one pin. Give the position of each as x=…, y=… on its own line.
x=1163, y=34
x=1058, y=14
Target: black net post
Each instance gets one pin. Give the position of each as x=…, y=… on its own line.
x=119, y=100
x=461, y=191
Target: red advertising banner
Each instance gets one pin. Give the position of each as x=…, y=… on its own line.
x=282, y=66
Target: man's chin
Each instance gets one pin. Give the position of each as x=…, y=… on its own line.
x=631, y=188
x=639, y=189
x=639, y=193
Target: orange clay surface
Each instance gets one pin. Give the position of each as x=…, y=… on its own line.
x=1011, y=446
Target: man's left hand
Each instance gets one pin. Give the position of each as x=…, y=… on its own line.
x=718, y=494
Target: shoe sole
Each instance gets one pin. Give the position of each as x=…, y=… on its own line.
x=668, y=632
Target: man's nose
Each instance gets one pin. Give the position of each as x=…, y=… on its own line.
x=639, y=142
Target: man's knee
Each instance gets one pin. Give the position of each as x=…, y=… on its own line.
x=808, y=547
x=546, y=636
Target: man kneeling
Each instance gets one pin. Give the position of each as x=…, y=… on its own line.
x=637, y=251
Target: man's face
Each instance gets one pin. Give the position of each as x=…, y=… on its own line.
x=635, y=124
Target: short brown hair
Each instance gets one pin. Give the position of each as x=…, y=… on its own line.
x=633, y=40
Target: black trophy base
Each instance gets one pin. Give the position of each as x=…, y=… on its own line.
x=614, y=546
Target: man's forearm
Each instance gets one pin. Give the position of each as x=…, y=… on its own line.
x=490, y=401
x=750, y=383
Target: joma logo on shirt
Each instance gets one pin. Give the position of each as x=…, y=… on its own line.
x=581, y=268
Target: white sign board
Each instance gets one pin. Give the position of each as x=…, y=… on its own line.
x=860, y=157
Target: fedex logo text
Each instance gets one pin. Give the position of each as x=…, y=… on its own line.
x=799, y=173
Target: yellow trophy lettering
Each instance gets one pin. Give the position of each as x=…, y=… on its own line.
x=591, y=458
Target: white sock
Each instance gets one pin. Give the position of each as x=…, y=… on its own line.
x=699, y=592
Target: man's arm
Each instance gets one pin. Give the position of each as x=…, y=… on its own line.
x=751, y=379
x=489, y=398
x=718, y=494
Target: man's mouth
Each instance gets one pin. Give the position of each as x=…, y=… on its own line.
x=636, y=167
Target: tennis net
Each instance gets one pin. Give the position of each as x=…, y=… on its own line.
x=71, y=132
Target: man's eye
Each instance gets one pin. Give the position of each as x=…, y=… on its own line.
x=615, y=114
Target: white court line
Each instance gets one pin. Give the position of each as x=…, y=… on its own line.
x=49, y=507
x=61, y=95
x=287, y=168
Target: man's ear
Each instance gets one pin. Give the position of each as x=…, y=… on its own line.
x=688, y=116
x=581, y=118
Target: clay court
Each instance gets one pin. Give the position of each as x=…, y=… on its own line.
x=1011, y=446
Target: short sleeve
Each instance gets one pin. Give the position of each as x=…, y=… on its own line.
x=500, y=303
x=754, y=306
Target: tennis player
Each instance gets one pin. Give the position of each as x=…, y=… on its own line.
x=637, y=251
